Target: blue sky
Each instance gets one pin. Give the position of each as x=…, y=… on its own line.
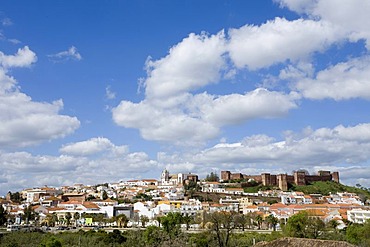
x=103, y=91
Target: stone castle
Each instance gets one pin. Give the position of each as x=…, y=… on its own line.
x=282, y=180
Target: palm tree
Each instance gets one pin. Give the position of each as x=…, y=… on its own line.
x=241, y=221
x=187, y=219
x=55, y=218
x=259, y=221
x=271, y=219
x=333, y=224
x=49, y=220
x=144, y=219
x=159, y=219
x=248, y=218
x=68, y=218
x=76, y=217
x=122, y=220
x=99, y=218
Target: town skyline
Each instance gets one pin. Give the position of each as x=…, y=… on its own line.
x=95, y=92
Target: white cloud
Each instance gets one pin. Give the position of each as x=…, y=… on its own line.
x=92, y=146
x=340, y=145
x=23, y=58
x=109, y=94
x=193, y=63
x=350, y=175
x=237, y=108
x=23, y=121
x=352, y=16
x=280, y=40
x=342, y=81
x=90, y=162
x=70, y=54
x=163, y=124
x=171, y=113
x=196, y=118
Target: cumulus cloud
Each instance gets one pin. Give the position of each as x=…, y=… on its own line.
x=171, y=113
x=346, y=79
x=280, y=40
x=92, y=146
x=197, y=118
x=93, y=161
x=23, y=58
x=323, y=146
x=342, y=81
x=350, y=15
x=193, y=63
x=70, y=54
x=25, y=122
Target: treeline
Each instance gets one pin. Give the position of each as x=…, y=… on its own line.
x=222, y=229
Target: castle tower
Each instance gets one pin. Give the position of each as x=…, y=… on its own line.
x=282, y=181
x=335, y=176
x=225, y=175
x=266, y=179
x=300, y=178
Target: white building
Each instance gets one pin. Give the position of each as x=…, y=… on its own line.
x=212, y=187
x=358, y=215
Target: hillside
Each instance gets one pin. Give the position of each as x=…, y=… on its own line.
x=325, y=188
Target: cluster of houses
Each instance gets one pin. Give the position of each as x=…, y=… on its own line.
x=152, y=198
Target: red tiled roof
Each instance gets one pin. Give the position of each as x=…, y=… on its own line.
x=90, y=205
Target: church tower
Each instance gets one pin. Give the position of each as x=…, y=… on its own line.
x=165, y=176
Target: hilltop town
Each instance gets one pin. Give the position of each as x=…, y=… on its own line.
x=143, y=201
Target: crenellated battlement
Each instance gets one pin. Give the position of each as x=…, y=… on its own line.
x=282, y=180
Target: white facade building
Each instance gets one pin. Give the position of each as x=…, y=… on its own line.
x=358, y=215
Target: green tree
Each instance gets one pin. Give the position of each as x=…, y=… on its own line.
x=144, y=219
x=52, y=242
x=315, y=227
x=104, y=195
x=98, y=218
x=159, y=219
x=354, y=233
x=333, y=224
x=122, y=220
x=212, y=177
x=296, y=225
x=49, y=220
x=241, y=221
x=153, y=236
x=3, y=215
x=222, y=224
x=68, y=218
x=187, y=219
x=29, y=214
x=259, y=221
x=171, y=223
x=15, y=197
x=76, y=217
x=114, y=237
x=90, y=197
x=55, y=219
x=273, y=221
x=302, y=225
